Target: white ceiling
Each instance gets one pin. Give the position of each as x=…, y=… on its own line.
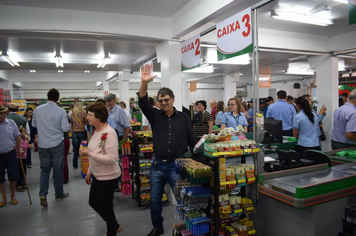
x=81, y=51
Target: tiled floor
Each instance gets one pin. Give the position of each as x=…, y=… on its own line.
x=72, y=216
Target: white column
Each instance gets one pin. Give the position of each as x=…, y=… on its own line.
x=124, y=78
x=230, y=86
x=186, y=94
x=168, y=54
x=327, y=91
x=105, y=88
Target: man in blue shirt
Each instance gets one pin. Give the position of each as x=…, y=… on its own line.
x=10, y=138
x=282, y=110
x=118, y=115
x=51, y=121
x=343, y=134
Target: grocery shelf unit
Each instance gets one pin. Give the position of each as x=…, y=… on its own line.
x=214, y=163
x=140, y=153
x=66, y=102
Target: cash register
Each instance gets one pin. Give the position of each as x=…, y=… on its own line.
x=292, y=159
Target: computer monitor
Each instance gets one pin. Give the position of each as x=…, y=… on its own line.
x=274, y=130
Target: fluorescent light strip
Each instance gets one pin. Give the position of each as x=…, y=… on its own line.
x=59, y=61
x=12, y=62
x=342, y=1
x=87, y=71
x=102, y=63
x=60, y=71
x=299, y=72
x=32, y=71
x=294, y=17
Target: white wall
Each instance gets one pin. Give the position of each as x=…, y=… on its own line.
x=207, y=95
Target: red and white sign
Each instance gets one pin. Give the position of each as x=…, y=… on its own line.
x=234, y=35
x=190, y=53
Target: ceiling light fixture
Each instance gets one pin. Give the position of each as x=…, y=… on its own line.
x=32, y=71
x=9, y=60
x=103, y=61
x=295, y=17
x=342, y=1
x=87, y=71
x=60, y=71
x=59, y=60
x=299, y=72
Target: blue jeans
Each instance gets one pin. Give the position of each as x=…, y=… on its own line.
x=158, y=179
x=76, y=139
x=51, y=158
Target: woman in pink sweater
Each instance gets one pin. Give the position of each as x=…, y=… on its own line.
x=104, y=170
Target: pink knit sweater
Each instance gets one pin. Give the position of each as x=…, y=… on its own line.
x=104, y=161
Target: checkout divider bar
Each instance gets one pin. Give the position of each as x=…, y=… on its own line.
x=289, y=172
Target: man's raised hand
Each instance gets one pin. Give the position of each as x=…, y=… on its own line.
x=145, y=73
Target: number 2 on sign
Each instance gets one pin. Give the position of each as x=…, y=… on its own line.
x=197, y=44
x=246, y=20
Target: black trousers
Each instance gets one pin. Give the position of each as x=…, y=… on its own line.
x=337, y=145
x=301, y=149
x=101, y=197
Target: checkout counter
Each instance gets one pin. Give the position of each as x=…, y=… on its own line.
x=308, y=201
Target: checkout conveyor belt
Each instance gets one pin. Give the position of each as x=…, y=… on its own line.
x=311, y=185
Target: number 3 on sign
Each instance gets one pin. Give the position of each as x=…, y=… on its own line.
x=197, y=45
x=246, y=20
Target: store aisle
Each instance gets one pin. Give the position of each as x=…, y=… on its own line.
x=72, y=216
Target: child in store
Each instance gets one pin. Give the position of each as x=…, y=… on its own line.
x=21, y=182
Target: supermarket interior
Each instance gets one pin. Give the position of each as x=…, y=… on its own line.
x=244, y=178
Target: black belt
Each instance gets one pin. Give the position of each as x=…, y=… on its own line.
x=7, y=153
x=166, y=159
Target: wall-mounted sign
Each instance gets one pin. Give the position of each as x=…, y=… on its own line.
x=190, y=53
x=264, y=81
x=234, y=35
x=193, y=86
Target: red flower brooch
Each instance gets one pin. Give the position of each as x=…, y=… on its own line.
x=103, y=138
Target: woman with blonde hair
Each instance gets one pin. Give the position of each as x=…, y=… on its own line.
x=78, y=121
x=234, y=117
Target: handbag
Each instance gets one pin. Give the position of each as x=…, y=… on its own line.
x=322, y=133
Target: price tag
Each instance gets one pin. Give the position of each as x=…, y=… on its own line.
x=249, y=208
x=248, y=150
x=240, y=181
x=255, y=150
x=252, y=179
x=238, y=211
x=240, y=152
x=251, y=232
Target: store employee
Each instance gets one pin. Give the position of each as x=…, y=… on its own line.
x=172, y=134
x=234, y=117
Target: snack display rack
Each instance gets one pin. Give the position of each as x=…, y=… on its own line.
x=230, y=209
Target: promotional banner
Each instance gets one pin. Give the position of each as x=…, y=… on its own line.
x=234, y=35
x=352, y=12
x=190, y=53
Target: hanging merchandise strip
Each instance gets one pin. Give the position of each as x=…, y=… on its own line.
x=195, y=172
x=125, y=176
x=126, y=147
